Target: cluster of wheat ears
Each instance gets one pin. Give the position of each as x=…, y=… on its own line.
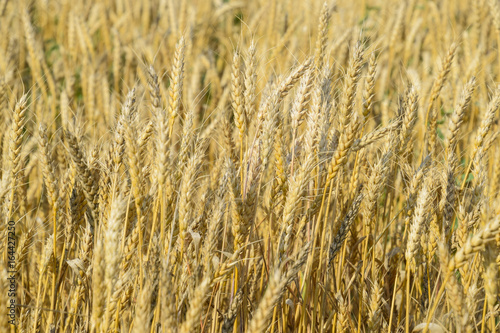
x=250, y=166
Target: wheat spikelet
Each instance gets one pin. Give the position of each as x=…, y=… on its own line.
x=350, y=84
x=458, y=113
x=475, y=244
x=47, y=165
x=487, y=122
x=98, y=286
x=491, y=282
x=375, y=311
x=369, y=88
x=196, y=307
x=322, y=37
x=111, y=244
x=343, y=149
x=84, y=174
x=454, y=289
x=15, y=146
x=442, y=75
x=417, y=223
x=344, y=227
x=373, y=187
x=250, y=82
x=431, y=115
x=175, y=91
x=301, y=100
x=142, y=311
x=237, y=98
x=186, y=192
x=277, y=282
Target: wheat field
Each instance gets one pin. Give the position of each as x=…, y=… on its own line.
x=249, y=166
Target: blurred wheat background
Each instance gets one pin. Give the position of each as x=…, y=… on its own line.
x=251, y=166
